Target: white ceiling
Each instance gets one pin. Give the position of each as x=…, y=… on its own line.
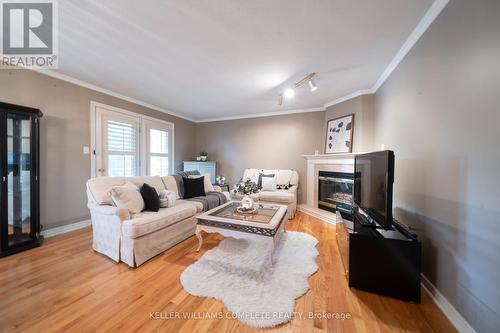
x=207, y=59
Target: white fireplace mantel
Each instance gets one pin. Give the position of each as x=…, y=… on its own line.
x=331, y=156
x=324, y=162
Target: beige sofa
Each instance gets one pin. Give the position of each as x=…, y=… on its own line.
x=281, y=196
x=135, y=239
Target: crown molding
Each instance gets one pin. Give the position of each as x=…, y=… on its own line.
x=348, y=97
x=260, y=115
x=287, y=112
x=422, y=26
x=432, y=13
x=94, y=87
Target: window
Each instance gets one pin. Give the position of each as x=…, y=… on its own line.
x=121, y=149
x=127, y=144
x=158, y=152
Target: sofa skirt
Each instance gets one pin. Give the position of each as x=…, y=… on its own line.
x=136, y=251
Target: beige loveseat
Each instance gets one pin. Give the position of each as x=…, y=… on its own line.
x=135, y=239
x=282, y=177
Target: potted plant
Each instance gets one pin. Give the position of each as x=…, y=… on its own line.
x=202, y=156
x=246, y=188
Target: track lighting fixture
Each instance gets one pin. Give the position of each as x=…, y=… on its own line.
x=290, y=91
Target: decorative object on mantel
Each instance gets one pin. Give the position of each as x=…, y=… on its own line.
x=339, y=135
x=246, y=188
x=202, y=156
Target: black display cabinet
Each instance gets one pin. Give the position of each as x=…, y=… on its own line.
x=19, y=178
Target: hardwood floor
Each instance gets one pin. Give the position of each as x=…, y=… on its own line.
x=65, y=286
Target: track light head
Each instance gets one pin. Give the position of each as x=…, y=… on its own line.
x=312, y=84
x=280, y=99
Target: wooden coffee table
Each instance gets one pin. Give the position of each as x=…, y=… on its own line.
x=266, y=225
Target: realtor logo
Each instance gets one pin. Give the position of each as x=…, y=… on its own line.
x=29, y=34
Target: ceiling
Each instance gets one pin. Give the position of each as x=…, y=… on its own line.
x=209, y=59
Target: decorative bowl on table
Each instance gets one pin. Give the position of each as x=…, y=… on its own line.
x=243, y=210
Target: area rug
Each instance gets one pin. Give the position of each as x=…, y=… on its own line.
x=237, y=273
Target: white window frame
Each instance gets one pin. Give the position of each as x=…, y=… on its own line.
x=144, y=122
x=148, y=125
x=102, y=134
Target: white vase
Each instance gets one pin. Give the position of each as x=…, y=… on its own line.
x=247, y=202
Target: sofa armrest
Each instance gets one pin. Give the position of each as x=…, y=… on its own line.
x=293, y=189
x=107, y=229
x=122, y=213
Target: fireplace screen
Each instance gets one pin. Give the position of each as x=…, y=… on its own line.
x=335, y=192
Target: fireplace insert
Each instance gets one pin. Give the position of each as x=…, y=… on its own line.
x=335, y=191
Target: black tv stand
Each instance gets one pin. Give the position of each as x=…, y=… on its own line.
x=365, y=222
x=386, y=262
x=404, y=230
x=372, y=226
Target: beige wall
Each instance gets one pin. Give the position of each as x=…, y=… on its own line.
x=439, y=111
x=362, y=108
x=269, y=143
x=65, y=129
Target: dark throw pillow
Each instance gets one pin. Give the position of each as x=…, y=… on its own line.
x=194, y=187
x=151, y=198
x=259, y=182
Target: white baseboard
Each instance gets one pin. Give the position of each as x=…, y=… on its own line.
x=448, y=309
x=318, y=213
x=65, y=228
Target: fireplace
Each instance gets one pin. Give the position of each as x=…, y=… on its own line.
x=335, y=192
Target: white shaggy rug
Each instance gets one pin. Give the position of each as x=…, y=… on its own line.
x=236, y=273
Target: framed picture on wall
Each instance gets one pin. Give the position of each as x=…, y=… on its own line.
x=339, y=135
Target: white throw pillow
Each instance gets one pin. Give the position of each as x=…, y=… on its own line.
x=252, y=174
x=128, y=196
x=167, y=198
x=269, y=172
x=268, y=184
x=206, y=182
x=283, y=177
x=171, y=184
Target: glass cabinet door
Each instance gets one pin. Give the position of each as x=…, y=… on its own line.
x=19, y=226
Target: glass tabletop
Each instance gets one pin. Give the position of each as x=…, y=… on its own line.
x=263, y=212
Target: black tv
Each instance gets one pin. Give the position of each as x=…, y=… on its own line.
x=373, y=180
